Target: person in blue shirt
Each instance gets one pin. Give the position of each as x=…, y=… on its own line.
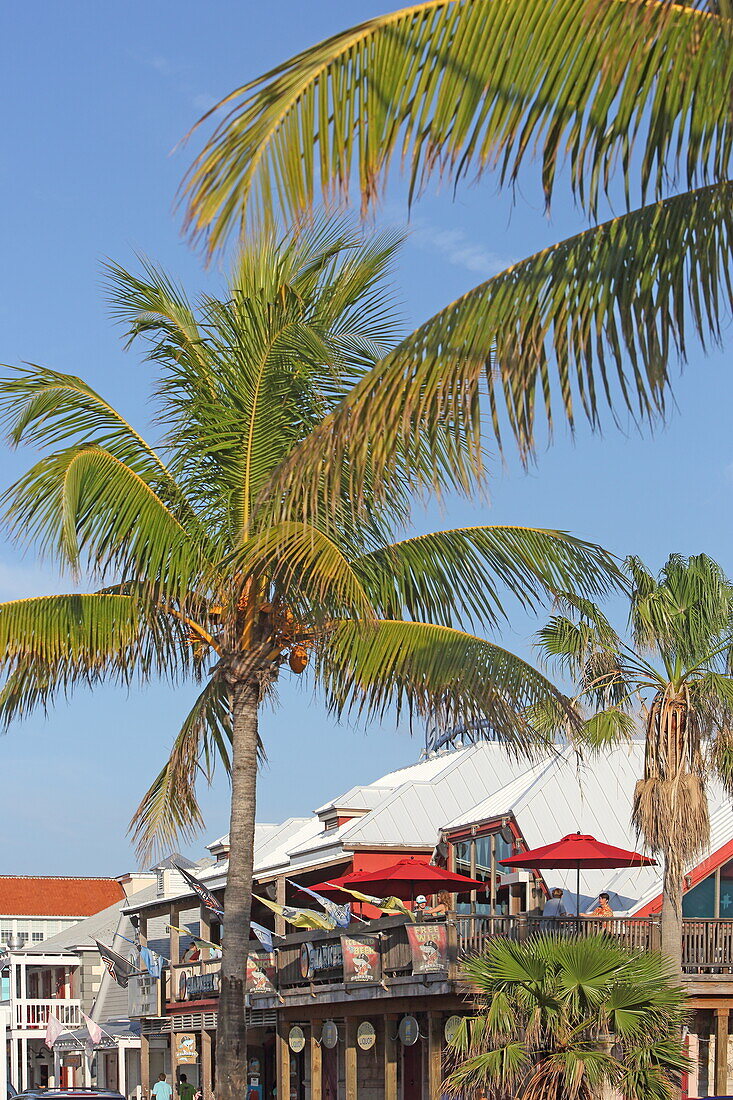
x=161, y=1089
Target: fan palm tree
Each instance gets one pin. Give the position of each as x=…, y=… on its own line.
x=565, y=1019
x=200, y=571
x=677, y=671
x=640, y=89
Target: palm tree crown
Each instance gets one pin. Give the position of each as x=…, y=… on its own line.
x=204, y=568
x=678, y=670
x=561, y=1018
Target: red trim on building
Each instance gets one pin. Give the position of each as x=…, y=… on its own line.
x=717, y=859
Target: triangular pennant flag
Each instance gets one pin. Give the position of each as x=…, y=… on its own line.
x=300, y=918
x=341, y=914
x=119, y=968
x=54, y=1028
x=206, y=897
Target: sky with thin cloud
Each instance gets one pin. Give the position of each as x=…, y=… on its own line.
x=102, y=96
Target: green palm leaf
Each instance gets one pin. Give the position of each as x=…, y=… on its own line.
x=84, y=503
x=437, y=673
x=92, y=633
x=567, y=329
x=169, y=808
x=445, y=575
x=456, y=86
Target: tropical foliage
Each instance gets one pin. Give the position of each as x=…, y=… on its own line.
x=637, y=91
x=676, y=674
x=202, y=570
x=560, y=1018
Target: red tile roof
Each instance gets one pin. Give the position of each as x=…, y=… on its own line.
x=31, y=896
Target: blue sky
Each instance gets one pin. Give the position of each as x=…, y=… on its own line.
x=100, y=96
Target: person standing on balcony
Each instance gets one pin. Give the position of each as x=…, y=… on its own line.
x=554, y=909
x=603, y=909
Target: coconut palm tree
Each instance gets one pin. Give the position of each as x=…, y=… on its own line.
x=676, y=673
x=634, y=93
x=200, y=570
x=565, y=1019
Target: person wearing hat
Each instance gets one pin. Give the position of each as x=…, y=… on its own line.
x=423, y=911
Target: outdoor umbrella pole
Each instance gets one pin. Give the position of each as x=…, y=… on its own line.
x=577, y=899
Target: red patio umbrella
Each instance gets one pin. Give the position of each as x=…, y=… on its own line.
x=578, y=850
x=403, y=880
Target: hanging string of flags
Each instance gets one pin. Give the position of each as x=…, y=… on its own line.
x=340, y=914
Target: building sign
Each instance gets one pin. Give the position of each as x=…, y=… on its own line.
x=329, y=1034
x=261, y=973
x=143, y=996
x=196, y=985
x=296, y=1039
x=366, y=1036
x=429, y=948
x=184, y=1044
x=362, y=958
x=409, y=1032
x=318, y=957
x=452, y=1024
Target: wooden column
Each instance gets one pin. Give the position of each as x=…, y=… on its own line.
x=174, y=919
x=280, y=928
x=351, y=1053
x=316, y=1066
x=435, y=1055
x=145, y=1066
x=721, y=1051
x=207, y=1085
x=282, y=1060
x=390, y=1058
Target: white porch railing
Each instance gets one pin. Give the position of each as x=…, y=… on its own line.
x=34, y=1013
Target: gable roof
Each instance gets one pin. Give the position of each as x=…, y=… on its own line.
x=41, y=896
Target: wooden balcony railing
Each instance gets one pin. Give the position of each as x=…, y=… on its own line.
x=309, y=960
x=707, y=945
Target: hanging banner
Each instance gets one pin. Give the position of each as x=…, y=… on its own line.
x=261, y=973
x=362, y=958
x=429, y=947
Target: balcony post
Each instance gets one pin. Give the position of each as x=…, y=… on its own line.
x=280, y=929
x=390, y=1058
x=351, y=1052
x=145, y=1065
x=721, y=1051
x=282, y=1059
x=207, y=1085
x=435, y=1055
x=316, y=1066
x=173, y=920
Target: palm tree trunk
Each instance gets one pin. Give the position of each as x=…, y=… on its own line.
x=672, y=915
x=231, y=1035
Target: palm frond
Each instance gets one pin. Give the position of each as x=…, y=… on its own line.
x=580, y=326
x=169, y=810
x=83, y=506
x=307, y=565
x=456, y=86
x=437, y=673
x=51, y=644
x=445, y=575
x=43, y=407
